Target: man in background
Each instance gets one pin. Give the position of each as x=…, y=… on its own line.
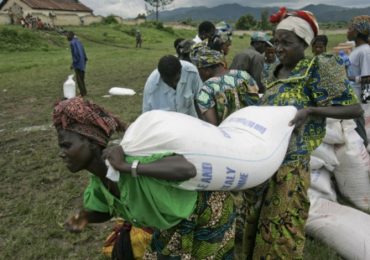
x=359, y=68
x=206, y=30
x=252, y=59
x=79, y=60
x=173, y=86
x=138, y=39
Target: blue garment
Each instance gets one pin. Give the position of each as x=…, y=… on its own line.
x=78, y=54
x=158, y=95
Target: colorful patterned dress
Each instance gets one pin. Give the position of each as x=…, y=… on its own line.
x=272, y=216
x=234, y=90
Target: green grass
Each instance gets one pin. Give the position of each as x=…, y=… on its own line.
x=37, y=192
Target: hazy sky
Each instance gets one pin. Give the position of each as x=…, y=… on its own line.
x=130, y=8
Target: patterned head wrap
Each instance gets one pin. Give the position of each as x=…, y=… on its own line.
x=361, y=24
x=302, y=23
x=202, y=56
x=85, y=118
x=225, y=31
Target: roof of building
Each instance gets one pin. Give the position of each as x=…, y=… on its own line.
x=56, y=5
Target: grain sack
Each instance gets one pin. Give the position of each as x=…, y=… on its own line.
x=352, y=174
x=344, y=229
x=366, y=108
x=334, y=133
x=326, y=153
x=244, y=151
x=316, y=163
x=321, y=185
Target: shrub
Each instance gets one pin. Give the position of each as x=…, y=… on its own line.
x=12, y=40
x=110, y=19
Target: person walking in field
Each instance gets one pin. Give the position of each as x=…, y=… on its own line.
x=138, y=39
x=79, y=60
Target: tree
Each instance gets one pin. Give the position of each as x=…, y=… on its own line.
x=245, y=22
x=265, y=25
x=141, y=16
x=155, y=5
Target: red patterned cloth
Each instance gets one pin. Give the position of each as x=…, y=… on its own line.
x=86, y=118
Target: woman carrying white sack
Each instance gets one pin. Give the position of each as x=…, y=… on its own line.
x=275, y=213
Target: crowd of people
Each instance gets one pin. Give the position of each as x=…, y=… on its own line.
x=266, y=222
x=32, y=22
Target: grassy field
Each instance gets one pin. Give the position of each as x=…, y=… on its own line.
x=37, y=192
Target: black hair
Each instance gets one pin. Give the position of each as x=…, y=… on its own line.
x=216, y=43
x=177, y=41
x=321, y=38
x=206, y=27
x=169, y=66
x=363, y=37
x=70, y=34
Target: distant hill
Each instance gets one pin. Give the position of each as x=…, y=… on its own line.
x=232, y=12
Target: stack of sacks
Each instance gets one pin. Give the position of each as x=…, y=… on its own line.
x=345, y=229
x=323, y=162
x=352, y=173
x=343, y=155
x=366, y=108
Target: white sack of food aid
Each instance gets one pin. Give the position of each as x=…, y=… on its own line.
x=321, y=185
x=244, y=151
x=326, y=153
x=344, y=229
x=366, y=108
x=352, y=174
x=316, y=163
x=334, y=132
x=117, y=91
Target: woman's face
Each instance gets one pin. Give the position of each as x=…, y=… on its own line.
x=75, y=150
x=289, y=48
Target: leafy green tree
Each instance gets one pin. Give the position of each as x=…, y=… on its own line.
x=110, y=19
x=155, y=5
x=245, y=22
x=141, y=16
x=265, y=25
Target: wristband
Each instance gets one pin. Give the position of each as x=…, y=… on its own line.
x=134, y=165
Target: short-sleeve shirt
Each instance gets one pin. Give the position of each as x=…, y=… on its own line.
x=360, y=65
x=316, y=82
x=228, y=93
x=158, y=95
x=143, y=201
